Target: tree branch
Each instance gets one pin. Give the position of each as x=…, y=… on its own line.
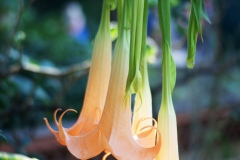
x=48, y=71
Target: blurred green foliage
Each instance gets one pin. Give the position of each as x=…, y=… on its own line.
x=30, y=38
x=9, y=156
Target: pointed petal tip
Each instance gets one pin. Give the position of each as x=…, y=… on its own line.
x=48, y=125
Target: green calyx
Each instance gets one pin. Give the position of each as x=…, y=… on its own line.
x=108, y=5
x=137, y=46
x=168, y=65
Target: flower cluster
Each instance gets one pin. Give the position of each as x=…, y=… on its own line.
x=107, y=122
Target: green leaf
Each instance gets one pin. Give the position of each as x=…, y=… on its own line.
x=192, y=40
x=194, y=28
x=173, y=73
x=196, y=10
x=134, y=81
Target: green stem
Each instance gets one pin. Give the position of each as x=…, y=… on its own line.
x=120, y=13
x=105, y=18
x=133, y=33
x=165, y=20
x=134, y=81
x=139, y=34
x=144, y=30
x=166, y=90
x=168, y=69
x=124, y=24
x=136, y=36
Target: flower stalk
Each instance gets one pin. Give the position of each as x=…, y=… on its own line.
x=167, y=124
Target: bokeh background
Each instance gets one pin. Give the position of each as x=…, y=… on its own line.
x=45, y=50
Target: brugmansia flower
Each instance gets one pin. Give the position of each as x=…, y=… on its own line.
x=113, y=133
x=106, y=122
x=97, y=82
x=143, y=130
x=167, y=124
x=122, y=143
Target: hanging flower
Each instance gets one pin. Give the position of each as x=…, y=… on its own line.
x=113, y=133
x=106, y=122
x=144, y=131
x=167, y=124
x=123, y=143
x=98, y=81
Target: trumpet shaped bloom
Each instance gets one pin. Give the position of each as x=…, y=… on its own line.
x=125, y=142
x=142, y=127
x=98, y=81
x=106, y=122
x=114, y=131
x=122, y=143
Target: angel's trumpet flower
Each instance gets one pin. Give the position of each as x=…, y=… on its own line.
x=114, y=131
x=123, y=143
x=98, y=80
x=167, y=124
x=142, y=120
x=106, y=122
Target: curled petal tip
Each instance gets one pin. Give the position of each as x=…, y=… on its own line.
x=58, y=109
x=106, y=155
x=73, y=110
x=61, y=116
x=55, y=116
x=144, y=119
